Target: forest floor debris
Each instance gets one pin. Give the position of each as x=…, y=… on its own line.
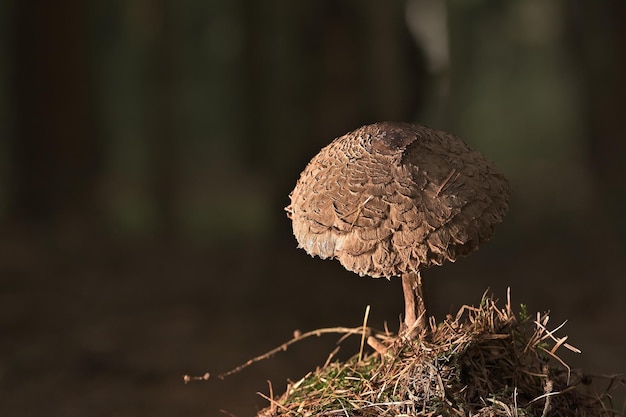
x=485, y=361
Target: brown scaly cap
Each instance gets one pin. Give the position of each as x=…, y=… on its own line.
x=393, y=198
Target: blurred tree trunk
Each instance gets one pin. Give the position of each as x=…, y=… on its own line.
x=599, y=44
x=161, y=112
x=330, y=66
x=370, y=67
x=254, y=149
x=56, y=156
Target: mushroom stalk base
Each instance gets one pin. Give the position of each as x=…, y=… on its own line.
x=414, y=306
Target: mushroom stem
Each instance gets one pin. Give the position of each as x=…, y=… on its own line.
x=414, y=306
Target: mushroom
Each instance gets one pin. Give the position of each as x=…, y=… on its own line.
x=390, y=199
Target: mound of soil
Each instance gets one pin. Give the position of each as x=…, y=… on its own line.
x=485, y=361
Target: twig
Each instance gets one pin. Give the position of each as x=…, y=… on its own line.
x=443, y=184
x=189, y=378
x=359, y=210
x=331, y=356
x=550, y=334
x=547, y=391
x=284, y=346
x=377, y=346
x=367, y=313
x=273, y=402
x=273, y=406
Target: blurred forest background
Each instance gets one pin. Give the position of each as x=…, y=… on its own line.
x=149, y=146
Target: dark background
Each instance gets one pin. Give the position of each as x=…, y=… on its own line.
x=149, y=146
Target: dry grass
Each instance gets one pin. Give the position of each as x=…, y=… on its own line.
x=483, y=362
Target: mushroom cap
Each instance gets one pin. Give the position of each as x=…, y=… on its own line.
x=393, y=198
